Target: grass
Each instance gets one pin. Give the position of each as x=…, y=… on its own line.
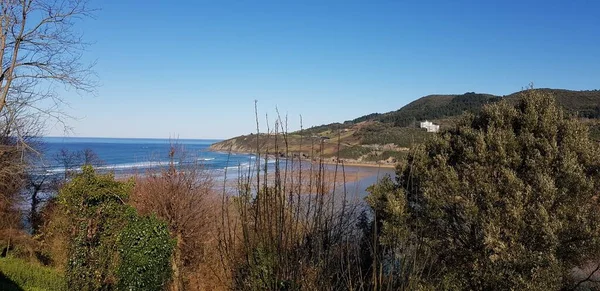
x=17, y=274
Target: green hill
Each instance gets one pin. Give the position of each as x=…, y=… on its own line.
x=435, y=107
x=376, y=137
x=585, y=104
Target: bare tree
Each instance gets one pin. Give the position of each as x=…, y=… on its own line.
x=69, y=160
x=40, y=49
x=37, y=184
x=90, y=158
x=11, y=178
x=183, y=198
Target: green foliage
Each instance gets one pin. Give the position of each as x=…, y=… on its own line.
x=505, y=200
x=400, y=127
x=280, y=246
x=145, y=247
x=107, y=233
x=386, y=155
x=579, y=103
x=390, y=205
x=95, y=205
x=437, y=106
x=353, y=152
x=367, y=117
x=397, y=257
x=315, y=130
x=261, y=272
x=595, y=132
x=379, y=133
x=16, y=274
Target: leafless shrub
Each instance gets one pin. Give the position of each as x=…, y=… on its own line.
x=184, y=198
x=288, y=227
x=11, y=180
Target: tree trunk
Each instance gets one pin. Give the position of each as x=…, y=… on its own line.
x=176, y=266
x=33, y=215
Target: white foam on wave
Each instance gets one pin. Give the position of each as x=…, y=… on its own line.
x=138, y=165
x=205, y=159
x=251, y=163
x=135, y=165
x=241, y=166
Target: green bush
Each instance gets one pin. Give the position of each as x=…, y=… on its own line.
x=505, y=200
x=16, y=274
x=97, y=210
x=386, y=155
x=353, y=152
x=595, y=132
x=379, y=133
x=145, y=249
x=110, y=240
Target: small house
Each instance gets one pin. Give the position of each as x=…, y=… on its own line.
x=430, y=126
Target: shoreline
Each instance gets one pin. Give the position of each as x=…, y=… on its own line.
x=360, y=165
x=326, y=161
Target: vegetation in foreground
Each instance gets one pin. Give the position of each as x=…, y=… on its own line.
x=17, y=274
x=503, y=199
x=506, y=199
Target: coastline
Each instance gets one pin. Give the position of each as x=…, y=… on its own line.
x=360, y=164
x=360, y=175
x=327, y=161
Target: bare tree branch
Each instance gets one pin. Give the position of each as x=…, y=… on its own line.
x=40, y=49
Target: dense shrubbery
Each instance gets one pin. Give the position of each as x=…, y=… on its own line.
x=353, y=152
x=379, y=133
x=182, y=197
x=97, y=211
x=595, y=132
x=96, y=207
x=578, y=103
x=505, y=200
x=145, y=247
x=293, y=234
x=435, y=107
x=385, y=155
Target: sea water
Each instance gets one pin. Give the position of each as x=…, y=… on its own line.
x=125, y=155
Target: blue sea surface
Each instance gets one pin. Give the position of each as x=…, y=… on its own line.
x=135, y=154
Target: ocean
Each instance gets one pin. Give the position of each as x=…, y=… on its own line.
x=126, y=155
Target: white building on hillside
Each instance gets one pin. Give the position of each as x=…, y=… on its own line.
x=430, y=126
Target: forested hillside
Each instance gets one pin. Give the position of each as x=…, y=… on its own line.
x=378, y=137
x=439, y=107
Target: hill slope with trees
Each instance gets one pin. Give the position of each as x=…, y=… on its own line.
x=506, y=199
x=380, y=137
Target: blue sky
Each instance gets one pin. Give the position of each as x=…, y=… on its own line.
x=192, y=69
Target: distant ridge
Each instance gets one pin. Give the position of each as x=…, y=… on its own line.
x=584, y=103
x=383, y=137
